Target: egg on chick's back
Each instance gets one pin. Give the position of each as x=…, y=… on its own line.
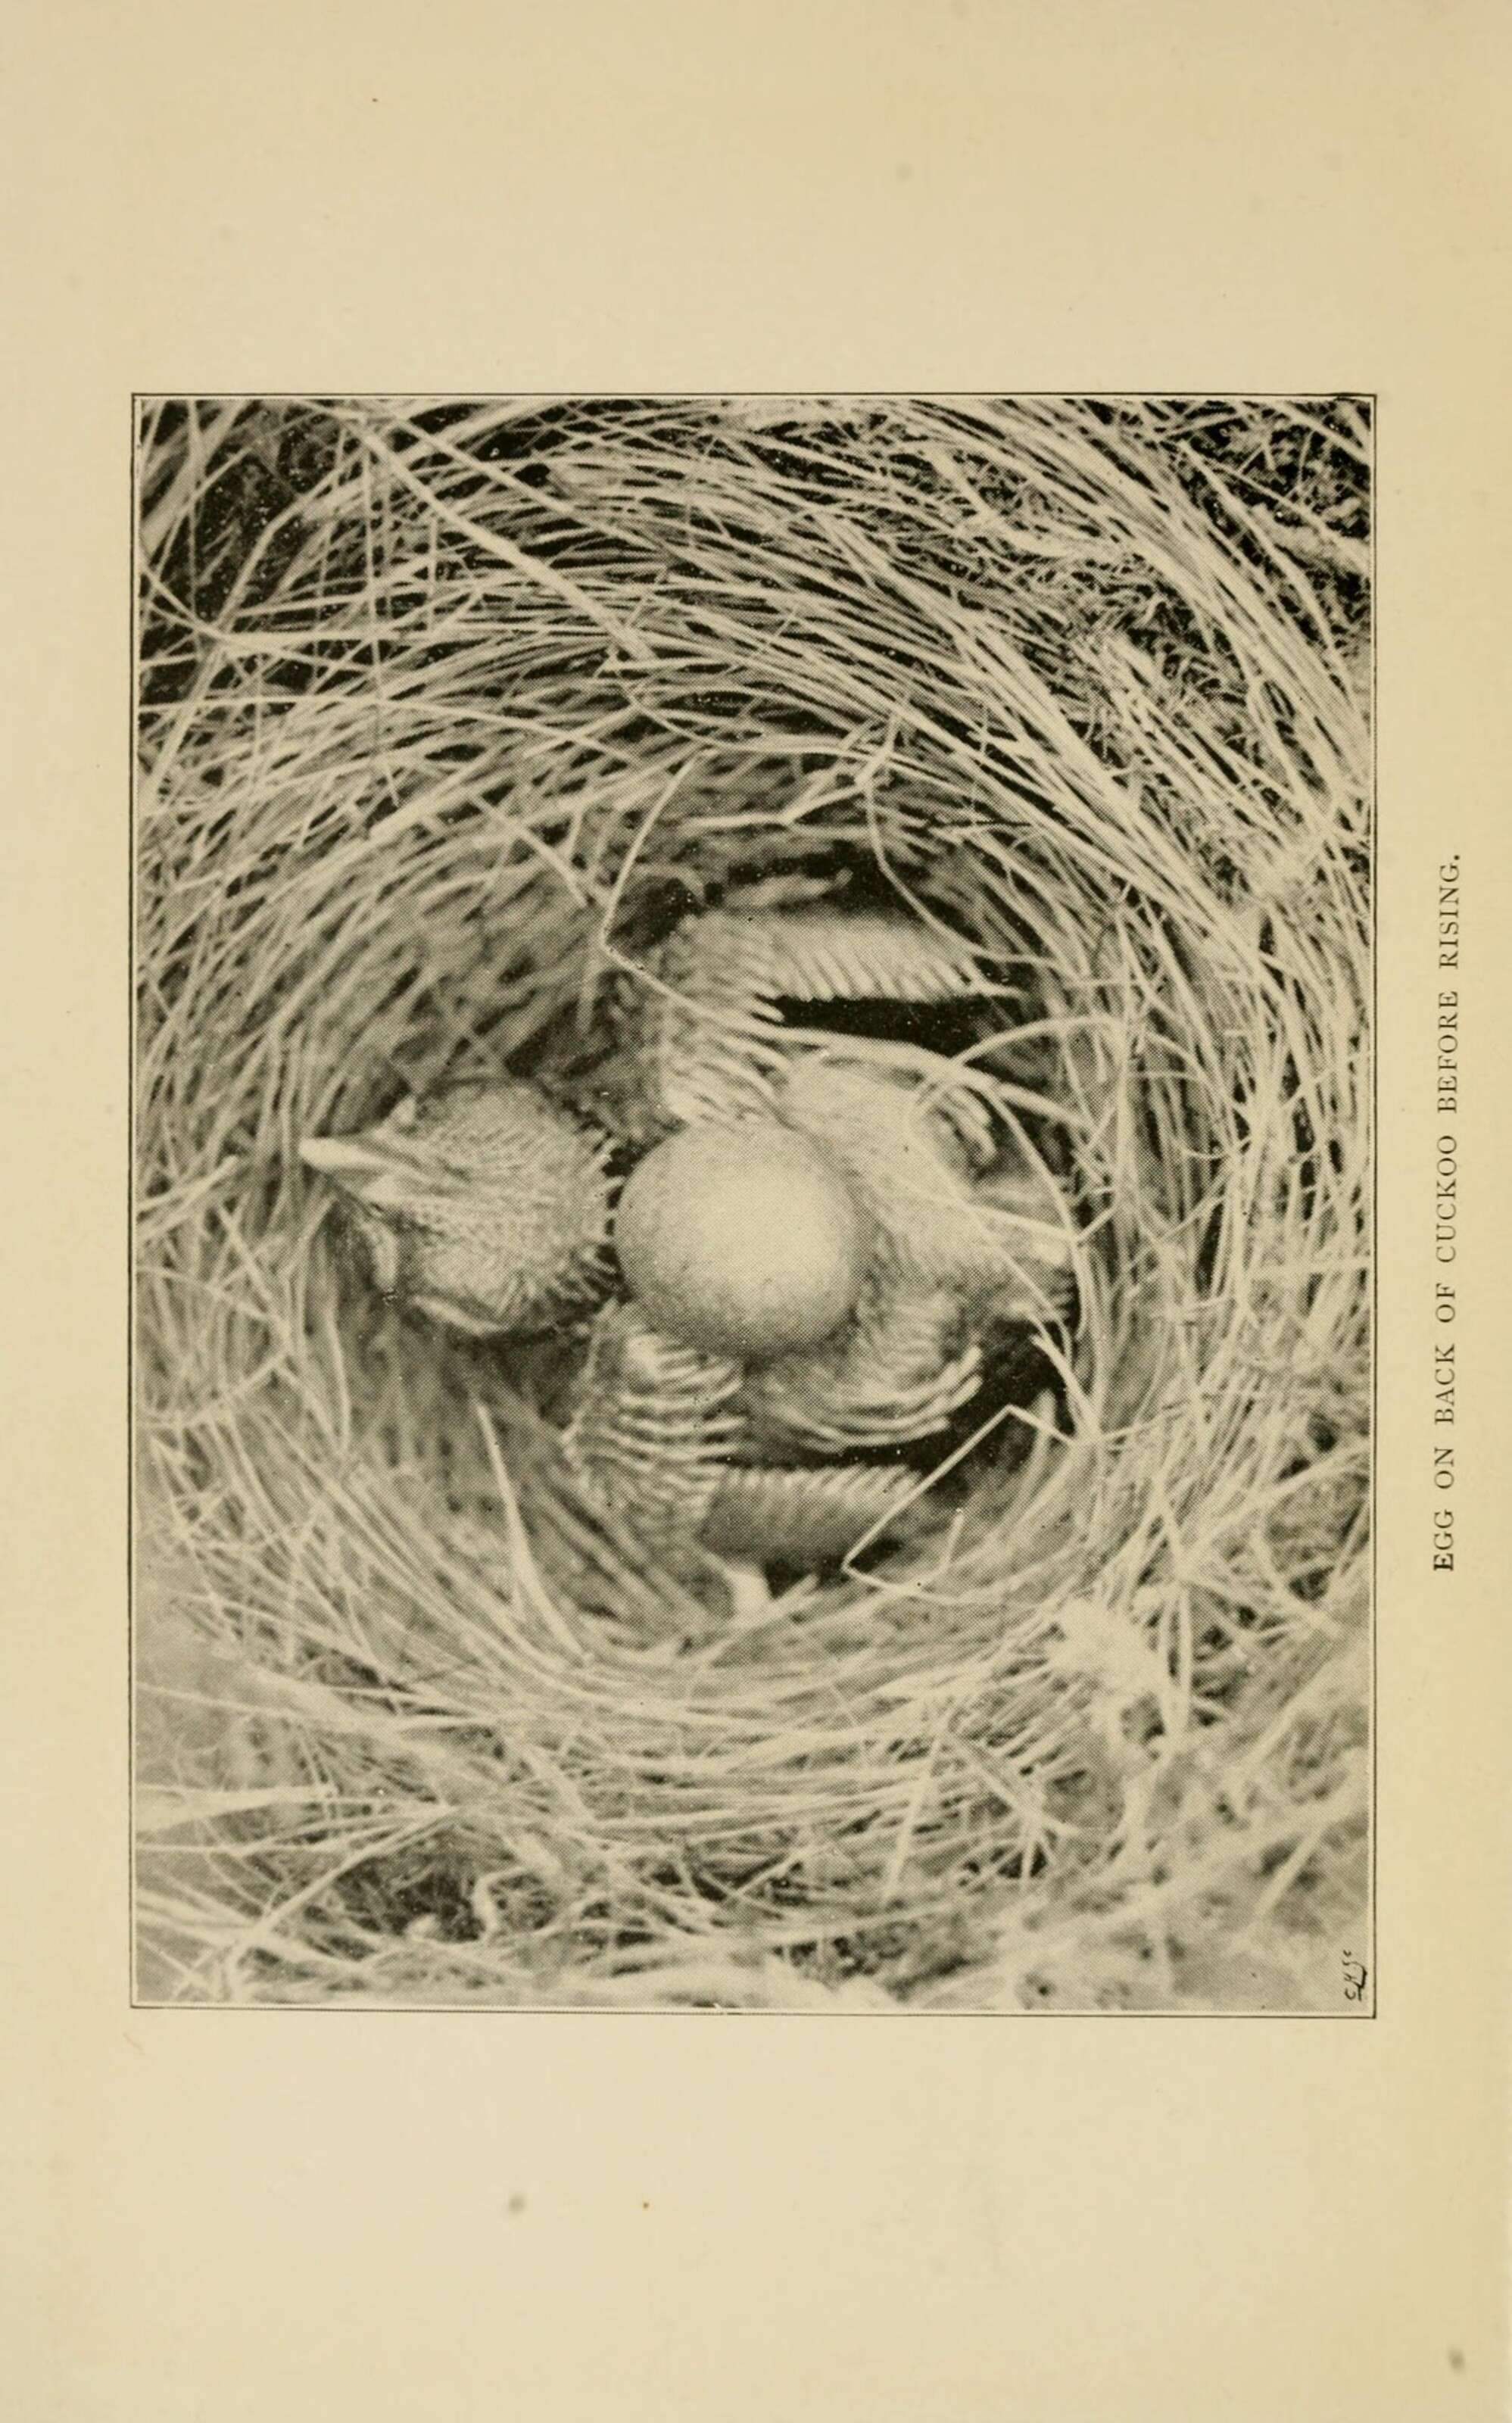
x=744, y=1239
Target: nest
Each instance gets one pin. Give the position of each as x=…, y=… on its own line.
x=449, y=712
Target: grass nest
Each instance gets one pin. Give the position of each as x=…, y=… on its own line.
x=447, y=712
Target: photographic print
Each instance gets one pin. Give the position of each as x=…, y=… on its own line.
x=752, y=1203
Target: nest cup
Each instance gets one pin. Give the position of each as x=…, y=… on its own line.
x=449, y=712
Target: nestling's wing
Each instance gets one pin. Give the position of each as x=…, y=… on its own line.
x=899, y=1372
x=699, y=1032
x=653, y=1427
x=769, y=1515
x=707, y=1031
x=817, y=954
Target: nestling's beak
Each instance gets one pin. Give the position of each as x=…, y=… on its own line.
x=352, y=1158
x=374, y=1172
